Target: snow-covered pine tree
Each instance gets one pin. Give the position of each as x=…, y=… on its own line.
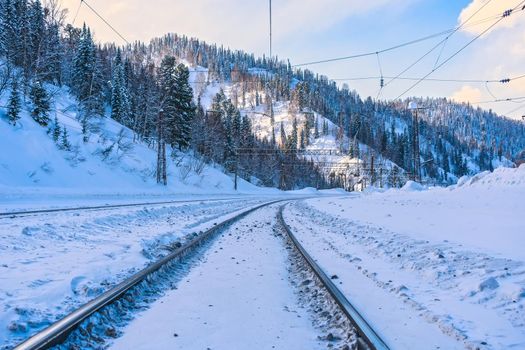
x=283, y=136
x=120, y=107
x=246, y=133
x=56, y=131
x=9, y=43
x=40, y=102
x=325, y=128
x=65, y=145
x=306, y=132
x=293, y=136
x=14, y=104
x=184, y=104
x=50, y=65
x=169, y=103
x=302, y=139
x=36, y=35
x=85, y=80
x=229, y=111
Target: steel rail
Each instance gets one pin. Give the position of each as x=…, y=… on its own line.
x=58, y=332
x=367, y=336
x=106, y=206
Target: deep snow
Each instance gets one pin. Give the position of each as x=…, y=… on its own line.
x=238, y=296
x=51, y=263
x=447, y=263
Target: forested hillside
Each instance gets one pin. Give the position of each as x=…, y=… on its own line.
x=191, y=95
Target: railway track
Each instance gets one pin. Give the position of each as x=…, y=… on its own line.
x=367, y=337
x=58, y=332
x=13, y=214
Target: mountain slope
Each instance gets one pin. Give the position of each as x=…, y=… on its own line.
x=111, y=161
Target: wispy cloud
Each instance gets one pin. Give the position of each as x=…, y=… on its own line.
x=500, y=53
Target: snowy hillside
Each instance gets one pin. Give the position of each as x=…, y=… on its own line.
x=111, y=161
x=325, y=144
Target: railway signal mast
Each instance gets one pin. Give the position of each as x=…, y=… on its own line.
x=414, y=108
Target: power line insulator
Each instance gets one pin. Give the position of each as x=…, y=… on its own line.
x=507, y=13
x=382, y=82
x=504, y=81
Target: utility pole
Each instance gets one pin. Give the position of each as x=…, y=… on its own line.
x=270, y=29
x=161, y=151
x=415, y=142
x=236, y=169
x=372, y=176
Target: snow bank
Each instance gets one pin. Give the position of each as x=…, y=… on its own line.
x=412, y=186
x=500, y=177
x=454, y=256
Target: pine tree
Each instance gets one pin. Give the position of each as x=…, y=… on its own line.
x=65, y=140
x=14, y=105
x=185, y=106
x=177, y=100
x=85, y=129
x=316, y=128
x=36, y=33
x=325, y=128
x=293, y=137
x=228, y=111
x=40, y=101
x=246, y=132
x=120, y=106
x=85, y=80
x=283, y=136
x=306, y=131
x=56, y=131
x=302, y=143
x=168, y=98
x=50, y=65
x=8, y=30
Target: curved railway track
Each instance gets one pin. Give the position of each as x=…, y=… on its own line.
x=58, y=332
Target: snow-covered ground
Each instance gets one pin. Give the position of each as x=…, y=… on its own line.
x=238, y=296
x=51, y=263
x=430, y=268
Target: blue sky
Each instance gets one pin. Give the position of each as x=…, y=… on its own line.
x=307, y=30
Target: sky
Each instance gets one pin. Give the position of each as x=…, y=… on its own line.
x=311, y=30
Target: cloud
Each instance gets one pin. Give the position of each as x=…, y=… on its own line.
x=498, y=54
x=467, y=94
x=477, y=25
x=235, y=23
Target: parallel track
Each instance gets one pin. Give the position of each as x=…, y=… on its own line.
x=367, y=339
x=13, y=214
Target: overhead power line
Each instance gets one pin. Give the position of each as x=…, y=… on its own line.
x=509, y=99
x=515, y=109
x=442, y=42
x=404, y=44
x=461, y=49
x=104, y=20
x=482, y=81
x=76, y=13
